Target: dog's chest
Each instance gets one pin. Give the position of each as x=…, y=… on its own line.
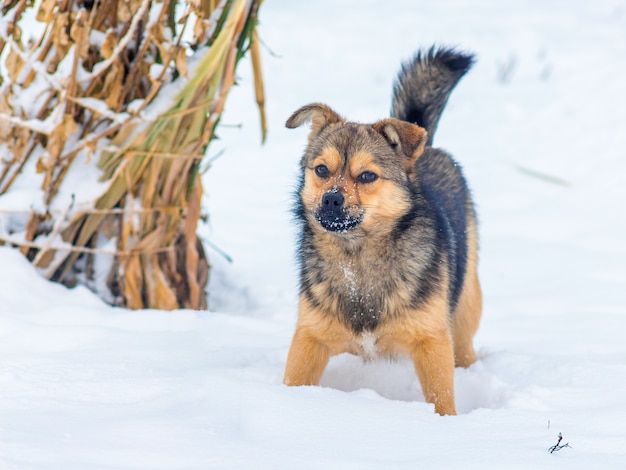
x=366, y=345
x=361, y=295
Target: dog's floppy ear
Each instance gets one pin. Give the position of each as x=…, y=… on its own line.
x=318, y=114
x=403, y=136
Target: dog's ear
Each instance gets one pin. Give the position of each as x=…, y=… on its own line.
x=407, y=138
x=318, y=114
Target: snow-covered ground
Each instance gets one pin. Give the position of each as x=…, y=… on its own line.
x=540, y=127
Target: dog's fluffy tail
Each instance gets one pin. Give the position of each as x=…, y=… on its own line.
x=425, y=83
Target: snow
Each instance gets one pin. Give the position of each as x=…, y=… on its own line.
x=88, y=386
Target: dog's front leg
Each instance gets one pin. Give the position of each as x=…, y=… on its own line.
x=433, y=358
x=318, y=336
x=307, y=359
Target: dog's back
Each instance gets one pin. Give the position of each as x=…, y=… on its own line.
x=420, y=94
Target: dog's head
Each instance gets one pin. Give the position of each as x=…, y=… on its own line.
x=356, y=177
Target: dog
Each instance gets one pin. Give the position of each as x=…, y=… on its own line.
x=388, y=241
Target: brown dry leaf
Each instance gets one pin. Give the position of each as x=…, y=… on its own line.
x=31, y=228
x=203, y=8
x=167, y=261
x=132, y=284
x=6, y=109
x=21, y=139
x=160, y=293
x=183, y=17
x=195, y=5
x=60, y=38
x=79, y=33
x=157, y=29
x=15, y=32
x=127, y=231
x=191, y=267
x=6, y=132
x=151, y=241
x=5, y=106
x=181, y=62
x=164, y=47
x=255, y=56
x=126, y=9
x=200, y=30
x=69, y=125
x=45, y=13
x=55, y=145
x=191, y=254
x=113, y=85
x=108, y=46
x=60, y=135
x=14, y=64
x=47, y=258
x=40, y=167
x=91, y=148
x=194, y=208
x=135, y=5
x=124, y=13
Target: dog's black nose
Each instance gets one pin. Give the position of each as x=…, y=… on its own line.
x=333, y=216
x=332, y=201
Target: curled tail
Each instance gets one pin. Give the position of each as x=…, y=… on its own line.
x=424, y=85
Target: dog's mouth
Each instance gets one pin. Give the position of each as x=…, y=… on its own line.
x=338, y=222
x=335, y=216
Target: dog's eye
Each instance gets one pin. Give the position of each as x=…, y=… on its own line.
x=367, y=177
x=322, y=171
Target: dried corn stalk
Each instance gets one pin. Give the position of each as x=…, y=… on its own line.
x=136, y=89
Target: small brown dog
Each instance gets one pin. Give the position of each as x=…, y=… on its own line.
x=388, y=248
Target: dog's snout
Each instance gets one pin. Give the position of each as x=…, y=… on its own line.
x=333, y=215
x=332, y=201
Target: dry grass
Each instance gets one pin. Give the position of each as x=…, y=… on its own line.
x=96, y=70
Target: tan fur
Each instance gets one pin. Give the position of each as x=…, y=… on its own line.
x=423, y=335
x=384, y=204
x=468, y=311
x=409, y=137
x=318, y=114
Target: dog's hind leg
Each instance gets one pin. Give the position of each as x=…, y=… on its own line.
x=468, y=311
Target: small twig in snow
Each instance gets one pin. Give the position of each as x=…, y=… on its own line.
x=558, y=445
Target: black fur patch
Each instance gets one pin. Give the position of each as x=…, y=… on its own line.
x=443, y=186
